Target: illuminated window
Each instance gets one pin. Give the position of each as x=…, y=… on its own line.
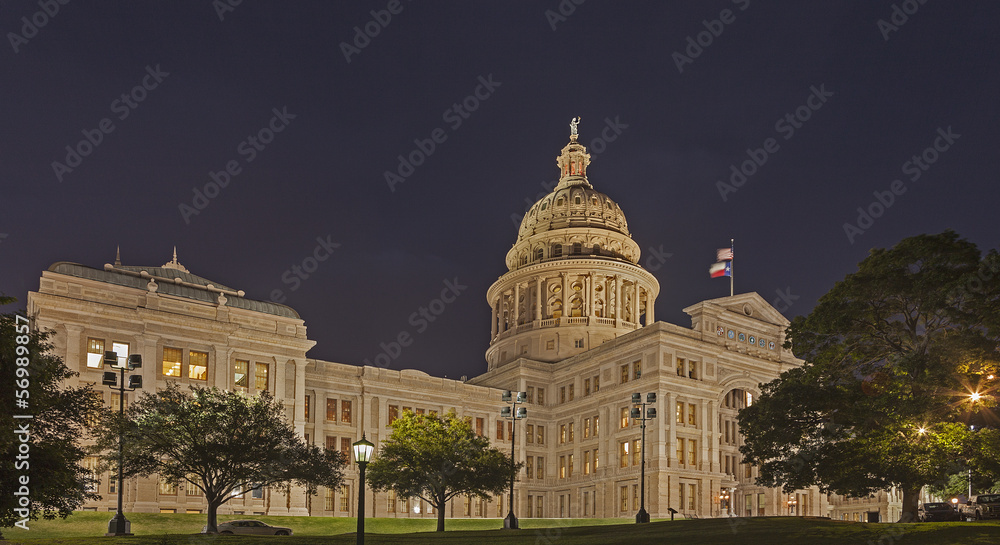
x=680, y=412
x=569, y=465
x=198, y=365
x=390, y=501
x=345, y=446
x=328, y=500
x=345, y=498
x=240, y=378
x=394, y=414
x=95, y=353
x=623, y=505
x=586, y=428
x=692, y=414
x=529, y=466
x=260, y=381
x=541, y=396
x=597, y=425
x=500, y=430
x=541, y=435
x=692, y=370
x=623, y=412
x=680, y=451
x=693, y=451
x=172, y=359
x=680, y=367
x=586, y=462
x=481, y=424
x=331, y=410
x=624, y=373
x=623, y=454
x=562, y=394
x=345, y=411
x=331, y=442
x=637, y=369
x=562, y=467
x=597, y=383
x=636, y=452
x=530, y=429
x=308, y=406
x=122, y=350
x=531, y=505
x=167, y=489
x=595, y=460
x=691, y=497
x=571, y=426
x=635, y=496
x=538, y=507
x=586, y=387
x=541, y=468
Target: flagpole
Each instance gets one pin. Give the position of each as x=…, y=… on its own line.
x=731, y=248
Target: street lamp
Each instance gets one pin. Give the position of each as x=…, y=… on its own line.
x=362, y=455
x=723, y=501
x=119, y=525
x=791, y=505
x=513, y=414
x=642, y=414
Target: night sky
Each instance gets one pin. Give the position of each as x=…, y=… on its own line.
x=310, y=117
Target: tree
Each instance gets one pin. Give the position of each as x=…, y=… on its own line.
x=894, y=351
x=41, y=470
x=221, y=442
x=437, y=458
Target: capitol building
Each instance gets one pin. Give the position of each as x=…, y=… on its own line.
x=572, y=324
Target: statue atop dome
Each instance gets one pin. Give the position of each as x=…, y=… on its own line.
x=572, y=126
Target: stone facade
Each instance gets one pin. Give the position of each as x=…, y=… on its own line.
x=572, y=325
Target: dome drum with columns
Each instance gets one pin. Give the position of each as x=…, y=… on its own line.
x=574, y=281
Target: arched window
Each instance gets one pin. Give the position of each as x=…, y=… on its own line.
x=597, y=249
x=539, y=254
x=578, y=200
x=577, y=248
x=545, y=205
x=557, y=250
x=559, y=201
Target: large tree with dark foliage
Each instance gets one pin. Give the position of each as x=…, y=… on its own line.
x=41, y=473
x=438, y=458
x=221, y=442
x=894, y=353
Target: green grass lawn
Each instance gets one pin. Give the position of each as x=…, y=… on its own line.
x=177, y=529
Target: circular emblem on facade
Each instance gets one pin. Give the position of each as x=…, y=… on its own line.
x=762, y=343
x=743, y=338
x=770, y=345
x=732, y=334
x=753, y=340
x=721, y=330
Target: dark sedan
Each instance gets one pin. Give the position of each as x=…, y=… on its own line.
x=938, y=511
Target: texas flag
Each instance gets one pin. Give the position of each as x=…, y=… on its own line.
x=721, y=269
x=722, y=254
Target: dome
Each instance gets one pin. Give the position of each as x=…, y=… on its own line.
x=578, y=205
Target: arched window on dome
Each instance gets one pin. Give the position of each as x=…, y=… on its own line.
x=545, y=205
x=557, y=250
x=597, y=249
x=577, y=248
x=559, y=201
x=524, y=259
x=539, y=254
x=594, y=200
x=578, y=200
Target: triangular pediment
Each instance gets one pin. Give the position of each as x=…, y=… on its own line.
x=751, y=305
x=744, y=323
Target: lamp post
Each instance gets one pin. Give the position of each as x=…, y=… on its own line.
x=513, y=414
x=642, y=414
x=791, y=505
x=119, y=525
x=723, y=501
x=362, y=455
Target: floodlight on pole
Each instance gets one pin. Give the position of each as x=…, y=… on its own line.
x=119, y=525
x=513, y=413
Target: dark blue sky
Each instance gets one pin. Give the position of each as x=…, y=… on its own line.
x=866, y=105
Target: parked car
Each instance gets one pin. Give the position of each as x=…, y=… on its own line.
x=983, y=506
x=938, y=511
x=250, y=527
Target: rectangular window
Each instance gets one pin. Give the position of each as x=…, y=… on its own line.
x=623, y=454
x=167, y=489
x=586, y=462
x=172, y=360
x=240, y=378
x=331, y=410
x=529, y=467
x=586, y=387
x=562, y=505
x=260, y=379
x=328, y=499
x=541, y=435
x=562, y=467
x=468, y=506
x=692, y=414
x=748, y=504
x=571, y=426
x=531, y=505
x=90, y=463
x=569, y=465
x=635, y=496
x=257, y=492
x=530, y=428
x=480, y=424
x=680, y=451
x=345, y=411
x=623, y=413
x=680, y=367
x=562, y=433
x=345, y=446
x=331, y=442
x=307, y=406
x=571, y=387
x=538, y=507
x=390, y=501
x=500, y=430
x=122, y=350
x=597, y=383
x=345, y=498
x=597, y=425
x=636, y=452
x=693, y=451
x=113, y=485
x=531, y=397
x=692, y=369
x=578, y=343
x=760, y=504
x=680, y=412
x=198, y=365
x=637, y=369
x=562, y=394
x=586, y=503
x=691, y=497
x=394, y=414
x=595, y=460
x=586, y=428
x=624, y=373
x=623, y=504
x=541, y=396
x=95, y=353
x=510, y=430
x=540, y=470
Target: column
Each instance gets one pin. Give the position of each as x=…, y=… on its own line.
x=590, y=294
x=73, y=359
x=298, y=495
x=618, y=299
x=671, y=416
x=635, y=303
x=706, y=437
x=650, y=307
x=517, y=305
x=493, y=324
x=538, y=298
x=565, y=295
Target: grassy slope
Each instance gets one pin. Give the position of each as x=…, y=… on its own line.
x=762, y=531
